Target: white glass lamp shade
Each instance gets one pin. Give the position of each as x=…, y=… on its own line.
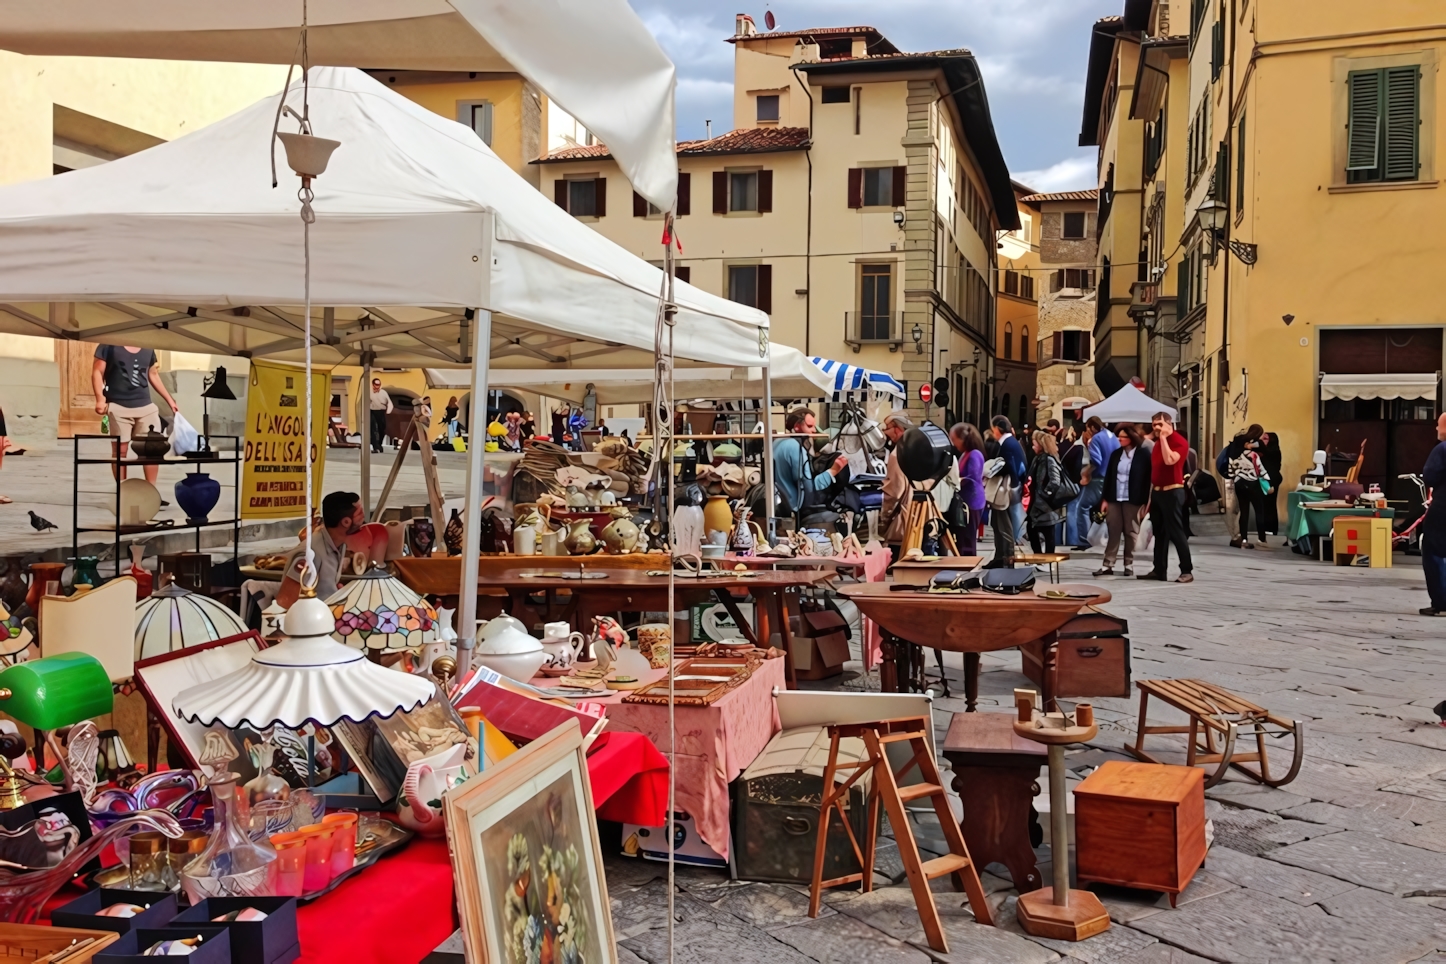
x=174, y=618
x=378, y=611
x=308, y=677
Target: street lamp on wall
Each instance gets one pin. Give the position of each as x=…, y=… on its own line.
x=918, y=336
x=1211, y=216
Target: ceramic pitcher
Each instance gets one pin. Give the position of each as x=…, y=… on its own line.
x=419, y=805
x=561, y=644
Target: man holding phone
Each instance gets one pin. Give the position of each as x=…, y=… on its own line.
x=1167, y=498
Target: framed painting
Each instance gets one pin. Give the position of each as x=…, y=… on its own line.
x=383, y=748
x=214, y=748
x=526, y=860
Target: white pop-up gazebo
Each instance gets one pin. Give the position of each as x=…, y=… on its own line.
x=427, y=250
x=1129, y=404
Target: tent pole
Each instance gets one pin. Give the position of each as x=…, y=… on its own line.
x=476, y=450
x=770, y=526
x=364, y=423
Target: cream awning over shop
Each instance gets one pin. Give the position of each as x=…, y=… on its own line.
x=1402, y=385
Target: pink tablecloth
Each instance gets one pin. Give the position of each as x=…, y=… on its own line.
x=715, y=744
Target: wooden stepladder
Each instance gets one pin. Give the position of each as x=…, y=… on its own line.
x=885, y=788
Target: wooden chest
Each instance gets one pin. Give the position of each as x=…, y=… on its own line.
x=1140, y=825
x=1091, y=657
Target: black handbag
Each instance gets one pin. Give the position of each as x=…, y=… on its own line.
x=1008, y=582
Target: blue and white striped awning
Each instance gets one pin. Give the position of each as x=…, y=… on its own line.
x=848, y=379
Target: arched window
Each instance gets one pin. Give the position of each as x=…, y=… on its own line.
x=1008, y=340
x=1023, y=408
x=1024, y=343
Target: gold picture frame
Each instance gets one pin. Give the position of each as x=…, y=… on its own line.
x=525, y=856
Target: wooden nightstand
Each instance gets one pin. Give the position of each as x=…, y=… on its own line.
x=1140, y=825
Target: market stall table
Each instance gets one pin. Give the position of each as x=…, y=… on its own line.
x=841, y=564
x=716, y=742
x=1305, y=520
x=919, y=572
x=966, y=622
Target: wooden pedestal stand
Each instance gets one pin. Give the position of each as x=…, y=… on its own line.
x=1058, y=912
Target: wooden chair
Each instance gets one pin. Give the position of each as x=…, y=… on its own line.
x=1222, y=715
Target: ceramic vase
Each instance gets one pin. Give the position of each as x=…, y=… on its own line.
x=86, y=572
x=421, y=537
x=419, y=805
x=454, y=535
x=13, y=589
x=717, y=516
x=40, y=574
x=580, y=540
x=197, y=494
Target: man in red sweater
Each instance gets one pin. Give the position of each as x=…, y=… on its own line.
x=1167, y=500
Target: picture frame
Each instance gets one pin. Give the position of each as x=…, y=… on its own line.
x=161, y=678
x=522, y=830
x=383, y=748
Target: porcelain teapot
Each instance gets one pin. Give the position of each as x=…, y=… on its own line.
x=419, y=805
x=506, y=646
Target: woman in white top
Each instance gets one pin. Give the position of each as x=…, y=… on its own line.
x=1251, y=480
x=1125, y=498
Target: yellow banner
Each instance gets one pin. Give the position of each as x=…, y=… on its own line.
x=273, y=476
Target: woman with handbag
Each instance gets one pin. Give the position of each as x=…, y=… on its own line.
x=1251, y=481
x=1046, y=479
x=1126, y=497
x=970, y=446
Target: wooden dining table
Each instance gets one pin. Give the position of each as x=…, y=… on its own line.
x=912, y=620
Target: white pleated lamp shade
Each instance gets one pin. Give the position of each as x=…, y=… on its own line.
x=308, y=677
x=378, y=611
x=174, y=618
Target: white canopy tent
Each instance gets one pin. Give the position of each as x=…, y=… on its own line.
x=790, y=375
x=594, y=58
x=1129, y=404
x=422, y=235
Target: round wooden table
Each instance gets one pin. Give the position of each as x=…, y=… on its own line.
x=970, y=623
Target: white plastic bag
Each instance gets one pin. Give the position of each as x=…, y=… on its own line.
x=1147, y=536
x=184, y=437
x=1099, y=535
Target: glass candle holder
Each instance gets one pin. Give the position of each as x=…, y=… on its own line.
x=317, y=872
x=148, y=861
x=289, y=880
x=343, y=841
x=180, y=851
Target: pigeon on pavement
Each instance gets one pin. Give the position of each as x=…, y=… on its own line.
x=40, y=524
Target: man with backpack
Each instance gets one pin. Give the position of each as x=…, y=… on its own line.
x=1004, y=487
x=793, y=470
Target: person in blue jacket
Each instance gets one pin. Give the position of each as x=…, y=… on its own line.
x=1433, y=526
x=792, y=466
x=1008, y=525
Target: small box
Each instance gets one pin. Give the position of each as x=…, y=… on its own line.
x=651, y=843
x=270, y=941
x=215, y=946
x=819, y=646
x=1140, y=825
x=1358, y=535
x=81, y=912
x=776, y=809
x=1091, y=657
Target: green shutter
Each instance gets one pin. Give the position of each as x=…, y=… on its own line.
x=1403, y=122
x=1217, y=49
x=1364, y=125
x=1240, y=165
x=1222, y=173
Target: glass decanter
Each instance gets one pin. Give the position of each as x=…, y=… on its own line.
x=232, y=865
x=266, y=785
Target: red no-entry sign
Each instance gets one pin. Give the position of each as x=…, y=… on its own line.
x=926, y=392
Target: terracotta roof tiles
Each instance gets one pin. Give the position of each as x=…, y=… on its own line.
x=757, y=140
x=1092, y=194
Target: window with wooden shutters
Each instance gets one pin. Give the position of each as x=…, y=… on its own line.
x=1220, y=187
x=641, y=207
x=876, y=282
x=1026, y=286
x=1074, y=226
x=765, y=192
x=1240, y=165
x=743, y=284
x=735, y=191
x=559, y=192
x=720, y=192
x=683, y=273
x=583, y=197
x=1384, y=124
x=764, y=301
x=1011, y=282
x=685, y=194
x=1008, y=341
x=1024, y=344
x=1217, y=47
x=856, y=187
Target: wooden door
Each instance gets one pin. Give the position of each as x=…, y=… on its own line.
x=75, y=360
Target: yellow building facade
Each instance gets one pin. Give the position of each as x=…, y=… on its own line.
x=857, y=200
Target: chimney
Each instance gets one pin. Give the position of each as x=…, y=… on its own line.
x=743, y=26
x=860, y=47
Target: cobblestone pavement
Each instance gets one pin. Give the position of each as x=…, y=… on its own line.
x=1346, y=864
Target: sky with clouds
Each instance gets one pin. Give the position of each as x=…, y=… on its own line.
x=1032, y=54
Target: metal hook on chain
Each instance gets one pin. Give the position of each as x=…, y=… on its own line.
x=306, y=196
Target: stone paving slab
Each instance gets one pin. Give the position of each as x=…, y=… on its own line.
x=1328, y=813
x=892, y=911
x=1279, y=880
x=1372, y=905
x=1371, y=862
x=1255, y=796
x=1245, y=927
x=769, y=905
x=1158, y=953
x=844, y=940
x=1399, y=805
x=706, y=934
x=1127, y=905
x=1257, y=832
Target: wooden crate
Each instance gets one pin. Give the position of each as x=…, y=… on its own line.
x=1092, y=657
x=1358, y=535
x=1140, y=825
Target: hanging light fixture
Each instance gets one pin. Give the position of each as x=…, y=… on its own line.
x=173, y=618
x=378, y=611
x=308, y=677
x=213, y=386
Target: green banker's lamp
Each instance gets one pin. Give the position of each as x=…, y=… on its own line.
x=48, y=694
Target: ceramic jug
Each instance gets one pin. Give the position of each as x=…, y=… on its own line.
x=561, y=645
x=580, y=540
x=621, y=536
x=419, y=805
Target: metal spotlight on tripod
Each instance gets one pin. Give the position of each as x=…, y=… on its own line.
x=925, y=457
x=213, y=386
